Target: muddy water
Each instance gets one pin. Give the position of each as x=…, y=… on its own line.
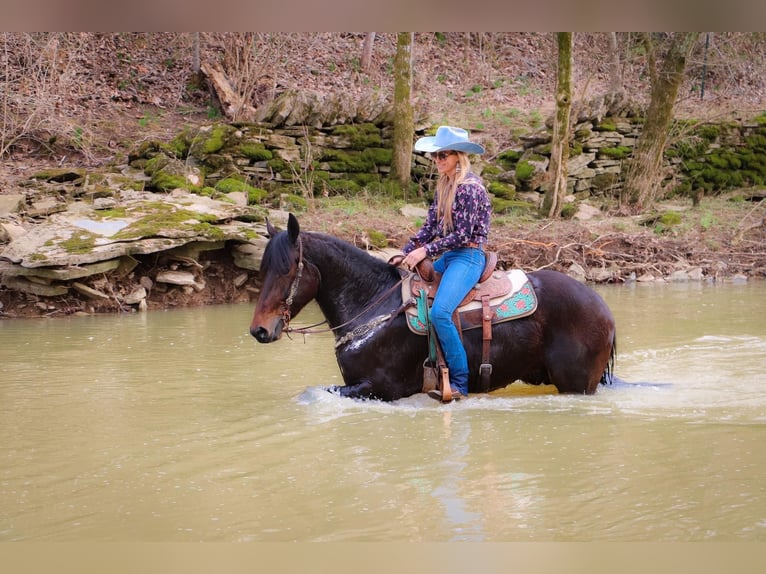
x=178, y=426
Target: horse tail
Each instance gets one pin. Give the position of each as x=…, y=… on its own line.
x=607, y=377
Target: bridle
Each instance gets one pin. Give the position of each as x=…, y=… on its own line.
x=287, y=303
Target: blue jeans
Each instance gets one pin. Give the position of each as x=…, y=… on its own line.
x=460, y=269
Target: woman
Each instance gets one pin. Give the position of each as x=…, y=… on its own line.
x=456, y=228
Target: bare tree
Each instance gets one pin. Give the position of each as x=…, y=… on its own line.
x=615, y=69
x=644, y=172
x=557, y=173
x=404, y=123
x=369, y=41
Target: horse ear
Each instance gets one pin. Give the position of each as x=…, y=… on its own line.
x=293, y=228
x=270, y=229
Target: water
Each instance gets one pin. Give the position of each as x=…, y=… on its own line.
x=178, y=426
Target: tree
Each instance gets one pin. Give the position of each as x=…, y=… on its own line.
x=404, y=123
x=615, y=70
x=557, y=173
x=369, y=41
x=644, y=172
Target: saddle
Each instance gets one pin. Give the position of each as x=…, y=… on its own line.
x=498, y=296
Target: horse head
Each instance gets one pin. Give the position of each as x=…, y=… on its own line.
x=288, y=282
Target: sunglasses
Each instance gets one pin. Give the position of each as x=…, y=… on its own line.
x=441, y=155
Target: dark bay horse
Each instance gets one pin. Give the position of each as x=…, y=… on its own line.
x=569, y=341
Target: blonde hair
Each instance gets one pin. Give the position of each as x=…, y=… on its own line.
x=446, y=187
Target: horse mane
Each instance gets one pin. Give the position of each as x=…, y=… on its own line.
x=365, y=270
x=351, y=261
x=278, y=254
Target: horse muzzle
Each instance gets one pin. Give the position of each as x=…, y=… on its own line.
x=263, y=335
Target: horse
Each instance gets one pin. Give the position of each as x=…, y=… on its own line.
x=569, y=341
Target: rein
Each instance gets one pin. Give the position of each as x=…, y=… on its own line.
x=360, y=330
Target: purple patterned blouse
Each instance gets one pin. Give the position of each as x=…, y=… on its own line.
x=471, y=213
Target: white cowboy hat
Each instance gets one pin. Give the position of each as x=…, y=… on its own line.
x=448, y=138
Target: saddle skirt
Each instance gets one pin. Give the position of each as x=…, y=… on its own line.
x=510, y=295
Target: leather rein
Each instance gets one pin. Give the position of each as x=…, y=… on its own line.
x=356, y=332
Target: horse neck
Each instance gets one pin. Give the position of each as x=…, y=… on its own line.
x=350, y=279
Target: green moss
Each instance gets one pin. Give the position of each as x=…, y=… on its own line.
x=79, y=242
x=255, y=151
x=293, y=202
x=568, y=211
x=155, y=164
x=163, y=181
x=343, y=187
x=524, y=170
x=502, y=206
x=378, y=239
x=617, y=152
x=160, y=216
x=509, y=158
x=490, y=170
x=361, y=136
x=582, y=134
x=606, y=125
x=502, y=190
x=670, y=218
x=216, y=139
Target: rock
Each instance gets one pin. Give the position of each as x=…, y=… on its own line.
x=586, y=212
x=26, y=286
x=679, y=276
x=248, y=255
x=146, y=282
x=135, y=296
x=646, y=278
x=10, y=231
x=240, y=280
x=11, y=203
x=88, y=291
x=577, y=272
x=696, y=274
x=413, y=211
x=176, y=278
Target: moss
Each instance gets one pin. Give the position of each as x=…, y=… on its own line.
x=79, y=242
x=293, y=202
x=709, y=133
x=343, y=187
x=277, y=165
x=606, y=125
x=163, y=181
x=617, y=152
x=501, y=206
x=378, y=239
x=582, y=134
x=670, y=218
x=502, y=190
x=217, y=138
x=490, y=170
x=160, y=216
x=361, y=136
x=233, y=184
x=568, y=211
x=255, y=151
x=155, y=164
x=524, y=170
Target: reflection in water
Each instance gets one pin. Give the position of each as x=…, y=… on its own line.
x=179, y=426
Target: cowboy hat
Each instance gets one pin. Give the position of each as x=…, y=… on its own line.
x=448, y=138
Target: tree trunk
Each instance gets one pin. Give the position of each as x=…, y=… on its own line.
x=369, y=40
x=644, y=173
x=404, y=123
x=557, y=173
x=615, y=72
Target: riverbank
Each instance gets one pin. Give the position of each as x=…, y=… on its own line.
x=721, y=240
